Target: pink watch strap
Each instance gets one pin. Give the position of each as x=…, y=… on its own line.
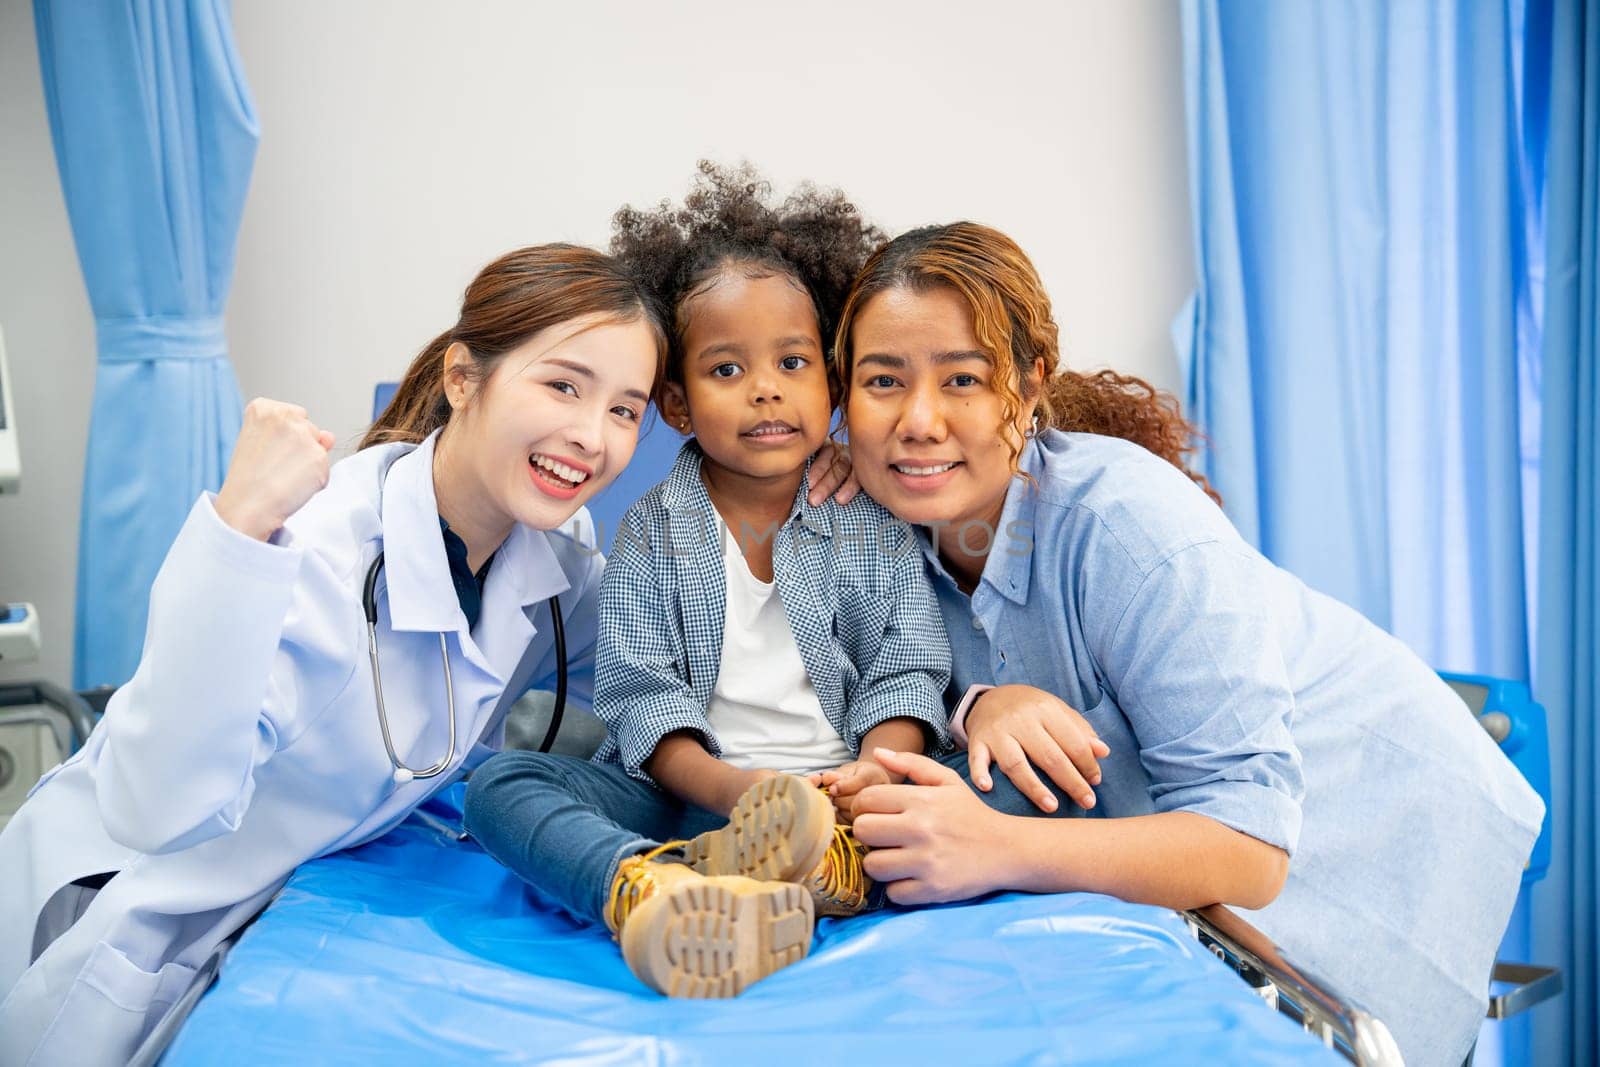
x=958, y=718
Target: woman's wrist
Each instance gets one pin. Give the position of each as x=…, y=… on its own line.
x=244, y=518
x=963, y=713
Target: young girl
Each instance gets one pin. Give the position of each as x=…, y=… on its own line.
x=747, y=636
x=255, y=734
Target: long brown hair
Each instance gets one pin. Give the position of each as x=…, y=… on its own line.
x=1012, y=321
x=511, y=300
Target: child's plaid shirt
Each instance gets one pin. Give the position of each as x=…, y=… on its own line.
x=854, y=591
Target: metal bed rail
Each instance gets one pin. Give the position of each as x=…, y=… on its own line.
x=1360, y=1037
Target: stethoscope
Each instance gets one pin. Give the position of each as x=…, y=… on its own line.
x=402, y=773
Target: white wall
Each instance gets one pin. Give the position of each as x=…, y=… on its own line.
x=49, y=337
x=407, y=142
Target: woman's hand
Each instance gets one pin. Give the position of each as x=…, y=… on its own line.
x=846, y=781
x=832, y=473
x=279, y=462
x=1015, y=725
x=932, y=840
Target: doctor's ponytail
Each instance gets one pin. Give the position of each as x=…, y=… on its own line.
x=517, y=296
x=419, y=405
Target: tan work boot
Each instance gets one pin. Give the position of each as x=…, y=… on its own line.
x=783, y=828
x=840, y=885
x=779, y=829
x=687, y=935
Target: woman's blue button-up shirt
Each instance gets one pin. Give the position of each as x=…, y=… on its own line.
x=1225, y=686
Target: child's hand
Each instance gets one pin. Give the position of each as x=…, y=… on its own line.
x=844, y=782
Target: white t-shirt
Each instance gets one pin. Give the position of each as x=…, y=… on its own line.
x=764, y=710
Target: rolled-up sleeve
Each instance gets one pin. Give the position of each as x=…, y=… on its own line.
x=1195, y=664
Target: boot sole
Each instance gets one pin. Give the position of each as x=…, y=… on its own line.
x=714, y=937
x=778, y=831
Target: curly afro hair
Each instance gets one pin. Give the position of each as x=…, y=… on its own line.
x=815, y=237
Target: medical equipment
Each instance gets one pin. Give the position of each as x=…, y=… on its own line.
x=1509, y=714
x=403, y=773
x=19, y=633
x=19, y=623
x=10, y=463
x=40, y=725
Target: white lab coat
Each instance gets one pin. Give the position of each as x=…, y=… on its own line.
x=247, y=742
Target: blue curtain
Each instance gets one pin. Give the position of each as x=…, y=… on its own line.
x=1363, y=313
x=155, y=135
x=1567, y=667
x=1364, y=346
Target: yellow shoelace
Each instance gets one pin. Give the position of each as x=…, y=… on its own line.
x=842, y=878
x=635, y=882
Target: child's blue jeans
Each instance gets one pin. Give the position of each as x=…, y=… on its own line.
x=564, y=825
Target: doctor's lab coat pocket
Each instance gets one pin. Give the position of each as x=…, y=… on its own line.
x=111, y=1006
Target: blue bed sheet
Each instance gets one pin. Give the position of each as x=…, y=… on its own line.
x=417, y=949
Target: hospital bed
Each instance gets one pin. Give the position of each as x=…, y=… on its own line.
x=420, y=948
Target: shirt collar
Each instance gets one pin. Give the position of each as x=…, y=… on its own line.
x=469, y=586
x=1009, y=568
x=422, y=596
x=684, y=490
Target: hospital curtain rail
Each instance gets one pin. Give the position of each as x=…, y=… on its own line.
x=155, y=136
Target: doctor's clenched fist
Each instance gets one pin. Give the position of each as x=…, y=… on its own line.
x=279, y=462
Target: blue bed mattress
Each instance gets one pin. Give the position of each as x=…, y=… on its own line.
x=418, y=949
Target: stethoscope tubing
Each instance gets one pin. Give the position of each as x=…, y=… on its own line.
x=403, y=773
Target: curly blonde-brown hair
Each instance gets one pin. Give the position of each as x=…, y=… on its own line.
x=1012, y=321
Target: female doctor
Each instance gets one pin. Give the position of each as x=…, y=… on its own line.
x=256, y=734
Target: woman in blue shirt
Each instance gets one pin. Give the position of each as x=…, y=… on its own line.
x=1269, y=747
